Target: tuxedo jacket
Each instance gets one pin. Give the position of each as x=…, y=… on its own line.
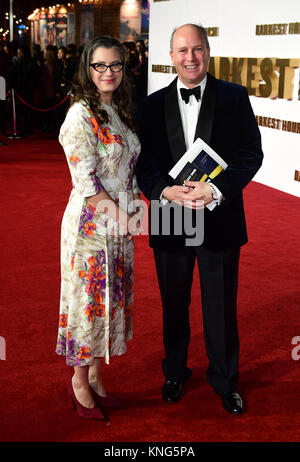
x=226, y=122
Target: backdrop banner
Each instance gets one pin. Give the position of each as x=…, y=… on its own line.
x=255, y=44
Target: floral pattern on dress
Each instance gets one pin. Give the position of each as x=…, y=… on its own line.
x=93, y=278
x=107, y=138
x=74, y=160
x=87, y=223
x=96, y=301
x=96, y=182
x=77, y=352
x=104, y=133
x=63, y=320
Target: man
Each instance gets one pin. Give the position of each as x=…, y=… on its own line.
x=222, y=116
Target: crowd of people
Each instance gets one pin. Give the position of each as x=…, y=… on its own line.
x=42, y=78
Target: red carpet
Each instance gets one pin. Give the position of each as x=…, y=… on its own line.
x=35, y=185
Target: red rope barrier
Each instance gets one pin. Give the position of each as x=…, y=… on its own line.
x=39, y=109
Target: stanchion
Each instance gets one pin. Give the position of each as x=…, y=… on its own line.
x=2, y=99
x=14, y=135
x=13, y=94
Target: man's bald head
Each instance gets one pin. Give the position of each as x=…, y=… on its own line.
x=200, y=29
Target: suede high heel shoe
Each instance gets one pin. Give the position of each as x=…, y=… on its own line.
x=85, y=412
x=105, y=401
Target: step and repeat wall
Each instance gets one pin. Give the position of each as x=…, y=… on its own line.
x=255, y=44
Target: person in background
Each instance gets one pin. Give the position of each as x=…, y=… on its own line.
x=23, y=80
x=131, y=61
x=196, y=105
x=101, y=148
x=63, y=79
x=38, y=58
x=37, y=55
x=73, y=59
x=141, y=73
x=4, y=68
x=46, y=91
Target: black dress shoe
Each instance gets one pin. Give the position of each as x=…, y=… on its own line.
x=232, y=402
x=171, y=390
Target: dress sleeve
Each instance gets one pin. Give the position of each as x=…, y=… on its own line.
x=80, y=145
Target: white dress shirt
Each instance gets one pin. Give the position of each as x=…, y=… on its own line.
x=189, y=116
x=189, y=112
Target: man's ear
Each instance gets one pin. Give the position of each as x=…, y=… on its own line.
x=171, y=54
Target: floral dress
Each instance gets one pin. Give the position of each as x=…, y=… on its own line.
x=95, y=318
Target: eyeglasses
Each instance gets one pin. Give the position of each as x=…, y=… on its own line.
x=100, y=67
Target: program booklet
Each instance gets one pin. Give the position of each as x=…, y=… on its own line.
x=199, y=163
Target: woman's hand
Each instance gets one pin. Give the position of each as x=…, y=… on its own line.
x=129, y=224
x=103, y=203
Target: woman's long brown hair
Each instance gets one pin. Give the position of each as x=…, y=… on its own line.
x=84, y=89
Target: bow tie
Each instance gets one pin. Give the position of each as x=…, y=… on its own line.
x=185, y=94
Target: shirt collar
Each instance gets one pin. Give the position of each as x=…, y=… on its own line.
x=202, y=84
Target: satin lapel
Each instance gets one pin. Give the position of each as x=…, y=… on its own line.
x=173, y=122
x=207, y=111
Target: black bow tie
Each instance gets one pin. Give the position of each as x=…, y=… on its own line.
x=185, y=94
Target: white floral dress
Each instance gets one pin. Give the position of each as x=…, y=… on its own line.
x=96, y=302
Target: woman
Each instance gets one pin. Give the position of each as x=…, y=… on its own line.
x=45, y=95
x=97, y=249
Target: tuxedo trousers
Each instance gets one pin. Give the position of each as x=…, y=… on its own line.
x=218, y=273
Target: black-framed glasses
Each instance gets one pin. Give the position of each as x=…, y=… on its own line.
x=100, y=67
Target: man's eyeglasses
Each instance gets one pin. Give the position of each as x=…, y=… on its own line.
x=100, y=67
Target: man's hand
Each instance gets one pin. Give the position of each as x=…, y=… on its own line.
x=181, y=196
x=199, y=190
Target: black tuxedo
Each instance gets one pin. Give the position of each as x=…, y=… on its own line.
x=226, y=122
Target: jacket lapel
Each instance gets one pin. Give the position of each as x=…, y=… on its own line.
x=207, y=111
x=173, y=122
x=173, y=117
